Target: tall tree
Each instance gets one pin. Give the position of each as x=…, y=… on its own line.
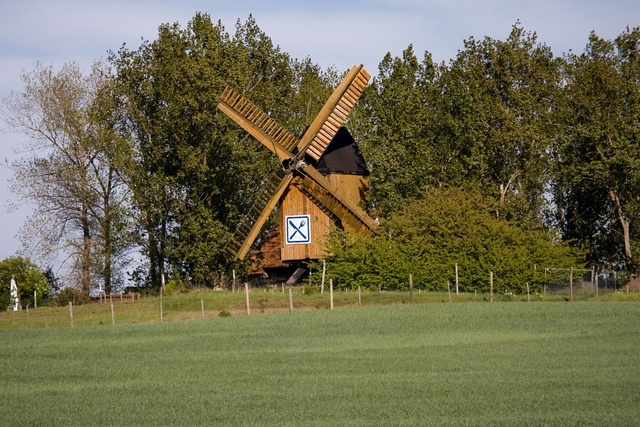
x=194, y=173
x=392, y=123
x=60, y=176
x=598, y=151
x=497, y=98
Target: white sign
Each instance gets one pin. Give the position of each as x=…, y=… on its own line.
x=298, y=229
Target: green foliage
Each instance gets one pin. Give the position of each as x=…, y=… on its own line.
x=70, y=295
x=193, y=172
x=549, y=144
x=28, y=277
x=445, y=227
x=598, y=151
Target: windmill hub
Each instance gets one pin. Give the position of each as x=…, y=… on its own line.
x=295, y=164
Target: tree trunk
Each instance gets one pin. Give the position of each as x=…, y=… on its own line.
x=86, y=251
x=624, y=223
x=107, y=248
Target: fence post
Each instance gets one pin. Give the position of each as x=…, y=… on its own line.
x=202, y=306
x=233, y=286
x=359, y=296
x=331, y=293
x=290, y=301
x=571, y=285
x=161, y=292
x=246, y=293
x=457, y=291
x=410, y=288
x=491, y=286
x=70, y=314
x=113, y=317
x=35, y=300
x=528, y=294
x=324, y=270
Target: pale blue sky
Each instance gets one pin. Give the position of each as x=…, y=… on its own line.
x=336, y=33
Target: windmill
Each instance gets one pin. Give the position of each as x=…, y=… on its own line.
x=309, y=200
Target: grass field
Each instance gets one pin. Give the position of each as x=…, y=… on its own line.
x=509, y=364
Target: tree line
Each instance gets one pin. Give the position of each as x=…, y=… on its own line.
x=131, y=166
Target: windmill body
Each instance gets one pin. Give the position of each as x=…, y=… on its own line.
x=343, y=165
x=321, y=179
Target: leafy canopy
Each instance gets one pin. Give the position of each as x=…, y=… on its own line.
x=447, y=226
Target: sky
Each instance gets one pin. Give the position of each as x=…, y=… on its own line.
x=338, y=33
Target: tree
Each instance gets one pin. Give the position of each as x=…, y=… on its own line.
x=597, y=153
x=194, y=173
x=28, y=277
x=497, y=99
x=68, y=176
x=392, y=123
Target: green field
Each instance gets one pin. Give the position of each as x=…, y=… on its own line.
x=430, y=364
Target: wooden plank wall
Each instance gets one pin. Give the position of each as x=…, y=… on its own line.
x=296, y=203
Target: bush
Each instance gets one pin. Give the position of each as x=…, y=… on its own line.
x=446, y=227
x=311, y=289
x=66, y=295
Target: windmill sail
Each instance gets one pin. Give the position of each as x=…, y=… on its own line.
x=258, y=123
x=334, y=113
x=329, y=198
x=248, y=230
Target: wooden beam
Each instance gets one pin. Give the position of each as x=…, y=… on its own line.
x=326, y=110
x=328, y=186
x=255, y=131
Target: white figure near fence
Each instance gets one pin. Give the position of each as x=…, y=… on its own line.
x=14, y=302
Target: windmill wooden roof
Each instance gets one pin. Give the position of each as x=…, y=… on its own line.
x=342, y=156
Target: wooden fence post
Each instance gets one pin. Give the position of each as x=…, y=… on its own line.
x=331, y=293
x=113, y=317
x=491, y=286
x=290, y=301
x=202, y=306
x=571, y=285
x=528, y=294
x=35, y=300
x=359, y=296
x=161, y=292
x=410, y=288
x=246, y=297
x=324, y=270
x=457, y=292
x=233, y=286
x=70, y=314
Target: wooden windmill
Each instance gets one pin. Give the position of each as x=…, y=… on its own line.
x=310, y=202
